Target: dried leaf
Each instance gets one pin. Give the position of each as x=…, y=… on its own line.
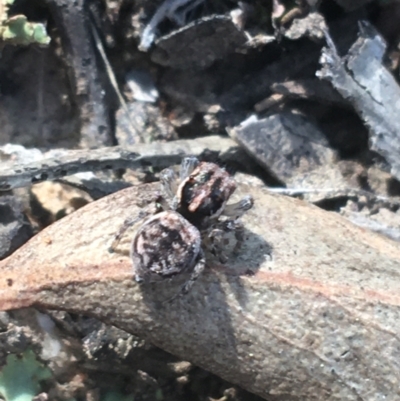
x=318, y=320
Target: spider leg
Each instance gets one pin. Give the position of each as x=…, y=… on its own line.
x=169, y=182
x=237, y=209
x=197, y=270
x=239, y=235
x=215, y=239
x=129, y=222
x=188, y=164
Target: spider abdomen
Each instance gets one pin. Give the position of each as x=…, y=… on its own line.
x=165, y=245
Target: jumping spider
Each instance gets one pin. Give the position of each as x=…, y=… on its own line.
x=170, y=241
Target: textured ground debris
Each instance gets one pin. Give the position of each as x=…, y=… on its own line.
x=178, y=49
x=76, y=169
x=15, y=229
x=370, y=87
x=293, y=149
x=61, y=163
x=187, y=70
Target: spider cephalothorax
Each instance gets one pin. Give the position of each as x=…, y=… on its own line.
x=169, y=242
x=203, y=195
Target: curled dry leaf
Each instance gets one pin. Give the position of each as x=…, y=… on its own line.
x=317, y=320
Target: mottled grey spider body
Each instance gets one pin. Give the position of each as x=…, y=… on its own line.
x=170, y=241
x=165, y=245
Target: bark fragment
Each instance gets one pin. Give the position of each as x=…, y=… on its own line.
x=15, y=229
x=89, y=89
x=293, y=150
x=200, y=43
x=363, y=80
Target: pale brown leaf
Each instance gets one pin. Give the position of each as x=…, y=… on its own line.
x=318, y=320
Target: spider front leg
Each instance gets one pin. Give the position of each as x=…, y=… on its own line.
x=129, y=222
x=169, y=183
x=188, y=164
x=197, y=271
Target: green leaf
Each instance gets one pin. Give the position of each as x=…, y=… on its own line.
x=20, y=377
x=19, y=30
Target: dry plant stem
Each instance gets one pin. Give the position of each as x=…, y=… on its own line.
x=318, y=320
x=110, y=73
x=390, y=200
x=156, y=154
x=88, y=88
